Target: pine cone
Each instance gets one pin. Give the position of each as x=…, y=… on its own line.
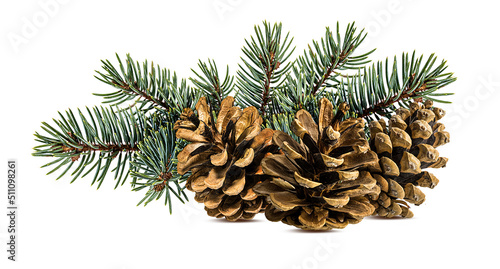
x=316, y=184
x=224, y=158
x=404, y=148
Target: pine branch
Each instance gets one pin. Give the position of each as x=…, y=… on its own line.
x=94, y=142
x=154, y=167
x=281, y=122
x=151, y=87
x=210, y=83
x=296, y=94
x=376, y=91
x=324, y=61
x=264, y=68
x=320, y=69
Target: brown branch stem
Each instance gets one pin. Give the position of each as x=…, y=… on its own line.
x=392, y=100
x=164, y=178
x=97, y=147
x=142, y=94
x=267, y=84
x=332, y=68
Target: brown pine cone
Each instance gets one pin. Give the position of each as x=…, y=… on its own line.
x=316, y=184
x=404, y=148
x=224, y=158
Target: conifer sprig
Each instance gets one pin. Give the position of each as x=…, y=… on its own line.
x=102, y=141
x=381, y=88
x=282, y=122
x=323, y=61
x=154, y=167
x=296, y=93
x=211, y=84
x=319, y=71
x=264, y=68
x=151, y=87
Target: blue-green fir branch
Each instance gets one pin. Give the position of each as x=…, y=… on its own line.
x=153, y=168
x=324, y=60
x=381, y=88
x=281, y=122
x=208, y=81
x=101, y=141
x=150, y=87
x=264, y=66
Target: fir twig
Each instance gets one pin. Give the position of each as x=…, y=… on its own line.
x=154, y=167
x=296, y=94
x=323, y=61
x=211, y=84
x=264, y=68
x=281, y=122
x=380, y=89
x=151, y=87
x=319, y=68
x=92, y=143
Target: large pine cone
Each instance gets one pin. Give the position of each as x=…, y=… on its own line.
x=224, y=158
x=404, y=148
x=317, y=185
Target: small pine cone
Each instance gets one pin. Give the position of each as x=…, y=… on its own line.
x=405, y=147
x=224, y=158
x=316, y=184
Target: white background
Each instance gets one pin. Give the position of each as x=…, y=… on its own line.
x=64, y=225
